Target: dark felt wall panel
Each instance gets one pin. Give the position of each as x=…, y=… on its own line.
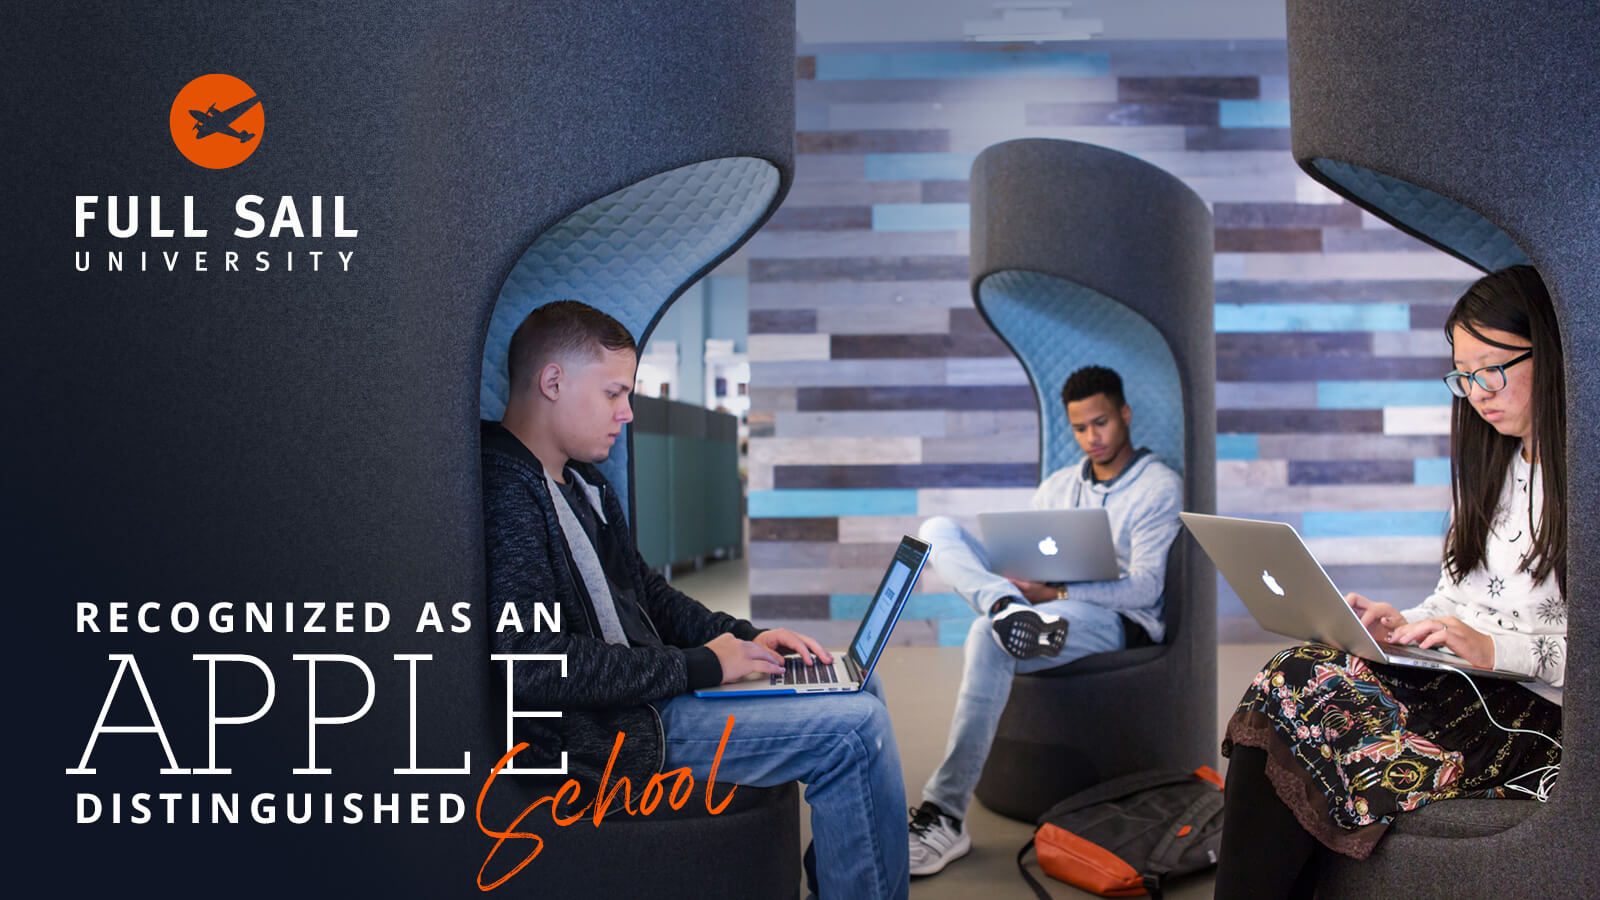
x=283, y=436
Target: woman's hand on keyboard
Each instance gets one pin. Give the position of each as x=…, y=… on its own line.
x=1463, y=640
x=1380, y=619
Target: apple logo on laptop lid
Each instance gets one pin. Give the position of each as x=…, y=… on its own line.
x=1271, y=583
x=1048, y=546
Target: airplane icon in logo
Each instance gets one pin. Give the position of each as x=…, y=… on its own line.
x=214, y=122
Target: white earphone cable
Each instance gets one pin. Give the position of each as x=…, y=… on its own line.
x=1542, y=793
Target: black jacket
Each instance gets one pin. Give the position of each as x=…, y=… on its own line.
x=609, y=687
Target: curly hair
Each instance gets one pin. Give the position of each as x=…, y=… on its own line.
x=1091, y=380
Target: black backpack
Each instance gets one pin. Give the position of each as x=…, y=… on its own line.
x=1124, y=837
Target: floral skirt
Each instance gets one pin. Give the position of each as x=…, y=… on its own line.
x=1350, y=744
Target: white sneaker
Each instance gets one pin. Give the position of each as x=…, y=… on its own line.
x=936, y=839
x=1025, y=632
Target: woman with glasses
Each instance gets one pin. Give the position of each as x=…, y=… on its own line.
x=1328, y=748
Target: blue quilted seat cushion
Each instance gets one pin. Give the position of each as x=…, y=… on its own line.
x=628, y=253
x=1435, y=217
x=1055, y=327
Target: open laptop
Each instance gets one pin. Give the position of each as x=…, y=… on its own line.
x=1051, y=545
x=849, y=669
x=1289, y=593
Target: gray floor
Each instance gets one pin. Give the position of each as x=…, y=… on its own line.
x=921, y=684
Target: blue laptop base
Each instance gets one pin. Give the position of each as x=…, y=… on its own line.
x=872, y=636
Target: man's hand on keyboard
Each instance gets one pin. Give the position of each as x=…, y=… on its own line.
x=740, y=659
x=781, y=639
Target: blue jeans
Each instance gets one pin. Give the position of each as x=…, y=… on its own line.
x=840, y=746
x=986, y=682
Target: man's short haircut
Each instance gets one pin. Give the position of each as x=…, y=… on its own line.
x=561, y=330
x=1091, y=380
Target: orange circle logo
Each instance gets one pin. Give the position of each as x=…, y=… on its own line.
x=216, y=121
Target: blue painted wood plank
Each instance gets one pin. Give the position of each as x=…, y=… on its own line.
x=821, y=503
x=1431, y=470
x=1378, y=394
x=1267, y=317
x=920, y=606
x=1373, y=523
x=921, y=217
x=1238, y=446
x=918, y=166
x=1254, y=113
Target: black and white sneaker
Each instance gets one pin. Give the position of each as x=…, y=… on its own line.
x=936, y=839
x=1025, y=632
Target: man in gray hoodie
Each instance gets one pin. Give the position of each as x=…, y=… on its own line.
x=1025, y=626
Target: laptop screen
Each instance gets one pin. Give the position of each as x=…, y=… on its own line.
x=887, y=602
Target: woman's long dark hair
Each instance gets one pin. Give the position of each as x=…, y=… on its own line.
x=1513, y=300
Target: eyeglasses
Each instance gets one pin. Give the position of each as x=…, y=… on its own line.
x=1490, y=378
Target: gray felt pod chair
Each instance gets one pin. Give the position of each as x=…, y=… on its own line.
x=297, y=436
x=685, y=152
x=1473, y=127
x=1083, y=255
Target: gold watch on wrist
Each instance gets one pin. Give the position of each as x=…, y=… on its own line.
x=1061, y=591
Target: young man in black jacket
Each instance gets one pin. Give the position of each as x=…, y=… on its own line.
x=555, y=534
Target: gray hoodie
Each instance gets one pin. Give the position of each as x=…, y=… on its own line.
x=1142, y=503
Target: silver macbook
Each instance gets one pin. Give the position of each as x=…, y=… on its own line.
x=1060, y=545
x=1289, y=593
x=849, y=669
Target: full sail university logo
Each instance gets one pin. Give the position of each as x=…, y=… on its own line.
x=216, y=121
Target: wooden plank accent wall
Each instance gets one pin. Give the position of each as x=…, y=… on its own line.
x=879, y=398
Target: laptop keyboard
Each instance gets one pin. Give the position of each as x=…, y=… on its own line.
x=796, y=672
x=1420, y=653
